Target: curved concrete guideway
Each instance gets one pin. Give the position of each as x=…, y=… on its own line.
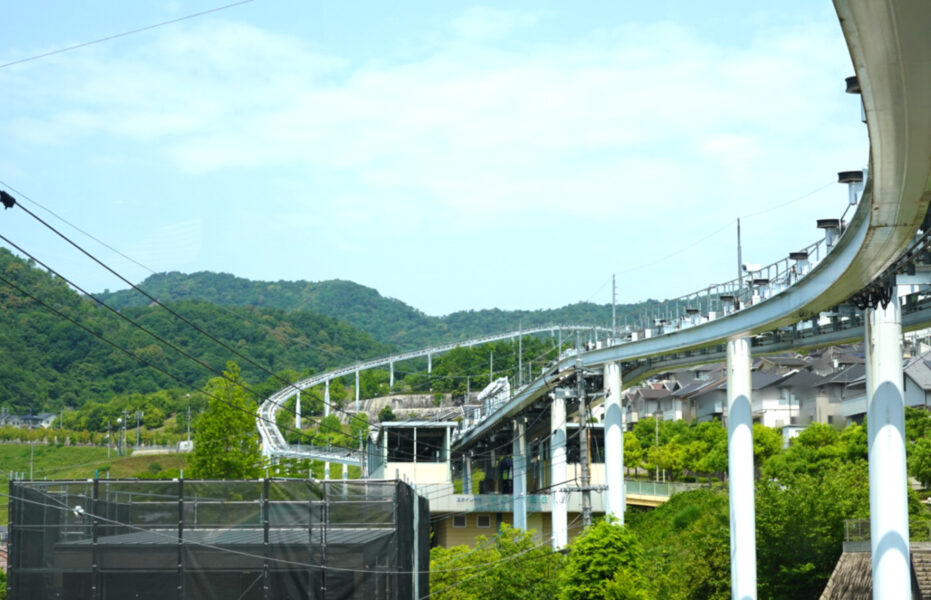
x=274, y=443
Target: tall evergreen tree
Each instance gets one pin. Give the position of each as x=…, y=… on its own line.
x=226, y=444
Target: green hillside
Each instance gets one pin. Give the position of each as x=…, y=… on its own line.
x=47, y=362
x=388, y=320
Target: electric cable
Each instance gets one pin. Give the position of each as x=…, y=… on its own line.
x=171, y=311
x=122, y=34
x=149, y=332
x=138, y=358
x=12, y=202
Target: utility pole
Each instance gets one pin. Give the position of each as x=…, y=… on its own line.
x=108, y=438
x=139, y=415
x=189, y=423
x=520, y=354
x=740, y=269
x=491, y=366
x=613, y=307
x=583, y=447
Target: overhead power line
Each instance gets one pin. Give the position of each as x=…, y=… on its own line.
x=122, y=34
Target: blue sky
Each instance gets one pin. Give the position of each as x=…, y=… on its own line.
x=451, y=155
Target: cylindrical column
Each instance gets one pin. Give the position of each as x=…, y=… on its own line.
x=415, y=547
x=614, y=442
x=740, y=470
x=391, y=375
x=519, y=479
x=326, y=398
x=429, y=363
x=384, y=446
x=297, y=412
x=560, y=516
x=447, y=443
x=886, y=435
x=357, y=389
x=467, y=477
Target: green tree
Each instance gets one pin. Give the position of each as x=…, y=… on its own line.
x=800, y=527
x=686, y=547
x=669, y=457
x=633, y=452
x=386, y=414
x=917, y=423
x=707, y=452
x=154, y=417
x=596, y=557
x=511, y=566
x=359, y=427
x=919, y=461
x=225, y=442
x=767, y=442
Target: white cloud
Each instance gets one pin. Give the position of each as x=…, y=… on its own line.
x=652, y=130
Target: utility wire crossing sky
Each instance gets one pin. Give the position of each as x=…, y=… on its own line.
x=453, y=156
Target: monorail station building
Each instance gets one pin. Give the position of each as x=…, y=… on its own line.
x=475, y=493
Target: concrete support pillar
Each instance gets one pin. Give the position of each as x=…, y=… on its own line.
x=886, y=435
x=384, y=445
x=297, y=412
x=467, y=474
x=614, y=442
x=326, y=398
x=415, y=547
x=740, y=470
x=345, y=471
x=326, y=470
x=391, y=375
x=560, y=515
x=447, y=442
x=429, y=363
x=357, y=389
x=519, y=466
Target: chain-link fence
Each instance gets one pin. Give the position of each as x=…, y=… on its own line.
x=192, y=539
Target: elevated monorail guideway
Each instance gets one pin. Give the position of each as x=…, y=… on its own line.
x=274, y=443
x=891, y=53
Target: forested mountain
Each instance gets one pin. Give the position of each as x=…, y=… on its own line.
x=386, y=319
x=47, y=362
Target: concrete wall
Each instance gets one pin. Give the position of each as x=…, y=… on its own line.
x=419, y=473
x=540, y=524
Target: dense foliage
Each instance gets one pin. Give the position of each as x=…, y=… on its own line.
x=225, y=444
x=606, y=562
x=511, y=566
x=679, y=551
x=386, y=319
x=48, y=363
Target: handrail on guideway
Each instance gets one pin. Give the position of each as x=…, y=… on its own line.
x=274, y=443
x=891, y=54
x=896, y=96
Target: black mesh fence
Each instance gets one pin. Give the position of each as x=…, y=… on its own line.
x=192, y=540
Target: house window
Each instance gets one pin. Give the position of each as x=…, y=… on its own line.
x=459, y=521
x=483, y=521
